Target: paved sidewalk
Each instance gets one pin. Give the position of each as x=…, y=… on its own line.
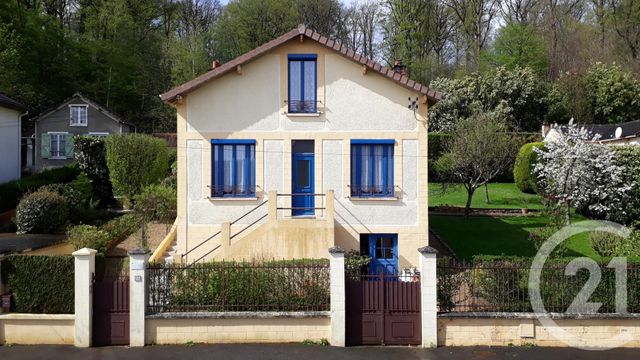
x=295, y=351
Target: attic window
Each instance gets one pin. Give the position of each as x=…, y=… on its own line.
x=302, y=83
x=78, y=115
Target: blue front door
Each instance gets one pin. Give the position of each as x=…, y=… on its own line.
x=383, y=250
x=302, y=184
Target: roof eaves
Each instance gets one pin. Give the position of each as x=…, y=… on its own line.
x=193, y=84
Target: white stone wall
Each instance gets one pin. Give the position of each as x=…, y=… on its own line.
x=9, y=145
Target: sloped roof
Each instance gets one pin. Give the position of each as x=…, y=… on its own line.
x=9, y=103
x=607, y=132
x=401, y=79
x=78, y=95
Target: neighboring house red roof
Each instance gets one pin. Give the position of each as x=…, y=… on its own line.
x=9, y=103
x=399, y=78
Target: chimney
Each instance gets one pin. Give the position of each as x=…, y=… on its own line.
x=399, y=68
x=214, y=64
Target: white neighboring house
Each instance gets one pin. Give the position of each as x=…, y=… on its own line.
x=11, y=113
x=610, y=134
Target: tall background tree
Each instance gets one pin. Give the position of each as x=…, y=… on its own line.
x=124, y=53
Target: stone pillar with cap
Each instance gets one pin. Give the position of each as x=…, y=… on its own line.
x=428, y=296
x=338, y=298
x=138, y=261
x=84, y=270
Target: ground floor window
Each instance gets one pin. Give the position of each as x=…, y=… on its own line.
x=372, y=168
x=233, y=168
x=57, y=145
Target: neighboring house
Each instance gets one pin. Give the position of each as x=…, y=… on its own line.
x=609, y=134
x=331, y=140
x=11, y=113
x=77, y=115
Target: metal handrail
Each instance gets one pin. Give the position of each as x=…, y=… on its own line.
x=249, y=212
x=205, y=255
x=218, y=233
x=248, y=226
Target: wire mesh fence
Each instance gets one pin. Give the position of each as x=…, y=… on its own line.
x=301, y=285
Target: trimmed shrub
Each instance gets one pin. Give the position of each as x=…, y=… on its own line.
x=224, y=286
x=40, y=284
x=70, y=195
x=135, y=161
x=13, y=191
x=607, y=244
x=89, y=153
x=41, y=212
x=157, y=203
x=120, y=228
x=522, y=169
x=81, y=236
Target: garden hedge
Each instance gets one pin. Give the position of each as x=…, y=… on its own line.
x=501, y=284
x=522, y=169
x=90, y=155
x=135, y=161
x=11, y=192
x=40, y=284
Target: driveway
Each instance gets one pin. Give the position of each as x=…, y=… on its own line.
x=306, y=352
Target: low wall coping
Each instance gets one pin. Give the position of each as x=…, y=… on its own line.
x=23, y=316
x=240, y=315
x=523, y=315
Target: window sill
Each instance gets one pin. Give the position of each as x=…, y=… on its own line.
x=254, y=198
x=79, y=125
x=58, y=158
x=373, y=198
x=315, y=114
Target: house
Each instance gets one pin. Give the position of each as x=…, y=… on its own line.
x=609, y=134
x=11, y=113
x=299, y=145
x=78, y=115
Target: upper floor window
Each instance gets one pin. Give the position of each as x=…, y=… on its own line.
x=302, y=83
x=372, y=168
x=78, y=115
x=233, y=168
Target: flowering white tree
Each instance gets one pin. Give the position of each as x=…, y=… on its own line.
x=576, y=171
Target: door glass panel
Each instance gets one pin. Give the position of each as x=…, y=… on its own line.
x=302, y=146
x=302, y=179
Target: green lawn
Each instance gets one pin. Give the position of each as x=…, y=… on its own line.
x=484, y=235
x=502, y=195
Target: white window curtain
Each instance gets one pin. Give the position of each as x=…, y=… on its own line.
x=227, y=158
x=378, y=161
x=365, y=170
x=241, y=181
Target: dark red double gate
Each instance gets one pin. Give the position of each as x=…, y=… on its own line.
x=383, y=310
x=111, y=312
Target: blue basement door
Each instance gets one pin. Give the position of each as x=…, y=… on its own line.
x=383, y=250
x=302, y=201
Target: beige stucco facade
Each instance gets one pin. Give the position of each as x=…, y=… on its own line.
x=241, y=330
x=251, y=103
x=29, y=329
x=506, y=331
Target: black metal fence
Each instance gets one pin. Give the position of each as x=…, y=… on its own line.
x=503, y=286
x=230, y=286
